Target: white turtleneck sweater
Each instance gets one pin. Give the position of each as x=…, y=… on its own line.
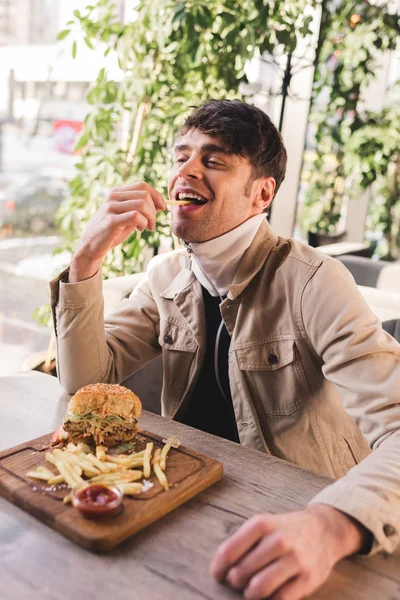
x=215, y=262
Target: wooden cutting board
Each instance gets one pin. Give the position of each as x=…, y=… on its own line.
x=188, y=473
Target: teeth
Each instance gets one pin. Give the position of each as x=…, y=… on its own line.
x=183, y=195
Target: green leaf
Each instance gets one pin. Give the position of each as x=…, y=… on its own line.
x=74, y=48
x=63, y=34
x=88, y=43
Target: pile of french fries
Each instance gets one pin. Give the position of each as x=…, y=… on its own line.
x=77, y=466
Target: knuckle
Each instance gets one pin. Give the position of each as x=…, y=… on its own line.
x=224, y=554
x=257, y=520
x=112, y=193
x=282, y=543
x=236, y=576
x=140, y=204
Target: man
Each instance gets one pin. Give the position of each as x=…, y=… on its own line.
x=297, y=367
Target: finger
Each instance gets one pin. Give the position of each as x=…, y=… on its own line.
x=296, y=589
x=238, y=544
x=129, y=206
x=270, y=548
x=142, y=185
x=137, y=195
x=270, y=579
x=133, y=220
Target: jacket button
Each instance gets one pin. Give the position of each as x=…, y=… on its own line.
x=389, y=530
x=272, y=359
x=168, y=338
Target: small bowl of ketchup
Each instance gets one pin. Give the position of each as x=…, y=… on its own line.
x=96, y=500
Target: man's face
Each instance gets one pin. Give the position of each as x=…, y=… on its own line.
x=202, y=166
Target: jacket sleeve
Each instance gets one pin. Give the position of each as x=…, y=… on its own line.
x=363, y=362
x=91, y=350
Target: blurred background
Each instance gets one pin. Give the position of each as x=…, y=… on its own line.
x=91, y=94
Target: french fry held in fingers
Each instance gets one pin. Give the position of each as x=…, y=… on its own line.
x=159, y=473
x=177, y=202
x=146, y=460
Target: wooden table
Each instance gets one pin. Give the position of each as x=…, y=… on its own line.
x=170, y=559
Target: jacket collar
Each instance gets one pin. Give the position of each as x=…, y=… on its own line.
x=253, y=259
x=184, y=279
x=251, y=263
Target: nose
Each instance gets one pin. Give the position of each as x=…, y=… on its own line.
x=191, y=169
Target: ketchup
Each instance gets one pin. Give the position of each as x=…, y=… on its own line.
x=97, y=500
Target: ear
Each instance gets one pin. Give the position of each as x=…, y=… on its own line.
x=266, y=192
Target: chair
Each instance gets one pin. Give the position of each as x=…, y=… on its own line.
x=392, y=327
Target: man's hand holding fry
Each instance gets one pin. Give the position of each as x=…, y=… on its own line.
x=126, y=209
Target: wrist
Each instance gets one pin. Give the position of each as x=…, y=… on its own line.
x=348, y=535
x=82, y=268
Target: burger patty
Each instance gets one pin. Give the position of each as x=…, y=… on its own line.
x=109, y=434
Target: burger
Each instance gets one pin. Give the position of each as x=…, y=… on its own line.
x=102, y=413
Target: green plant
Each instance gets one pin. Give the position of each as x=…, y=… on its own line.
x=353, y=35
x=172, y=55
x=372, y=157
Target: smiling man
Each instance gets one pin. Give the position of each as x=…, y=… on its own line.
x=264, y=340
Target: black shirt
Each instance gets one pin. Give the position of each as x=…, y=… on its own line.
x=209, y=409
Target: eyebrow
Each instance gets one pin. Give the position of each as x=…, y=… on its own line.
x=204, y=148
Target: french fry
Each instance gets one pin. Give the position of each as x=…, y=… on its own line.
x=158, y=471
x=146, y=460
x=45, y=471
x=177, y=202
x=50, y=458
x=164, y=453
x=88, y=468
x=126, y=476
x=67, y=499
x=137, y=454
x=104, y=468
x=112, y=466
x=130, y=489
x=70, y=476
x=56, y=480
x=76, y=467
x=72, y=448
x=82, y=447
x=101, y=452
x=126, y=461
x=37, y=475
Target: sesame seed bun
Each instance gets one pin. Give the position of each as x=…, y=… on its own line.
x=106, y=399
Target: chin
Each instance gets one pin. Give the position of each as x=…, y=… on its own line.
x=188, y=234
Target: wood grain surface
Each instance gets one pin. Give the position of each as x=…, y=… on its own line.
x=169, y=559
x=188, y=473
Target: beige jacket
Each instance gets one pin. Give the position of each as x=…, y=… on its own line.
x=314, y=378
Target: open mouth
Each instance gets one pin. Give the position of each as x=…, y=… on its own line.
x=190, y=197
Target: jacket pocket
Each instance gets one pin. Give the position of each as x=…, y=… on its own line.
x=179, y=347
x=275, y=376
x=347, y=455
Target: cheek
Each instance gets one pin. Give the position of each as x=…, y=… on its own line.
x=171, y=181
